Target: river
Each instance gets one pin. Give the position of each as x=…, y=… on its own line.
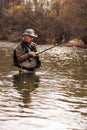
x=55, y=98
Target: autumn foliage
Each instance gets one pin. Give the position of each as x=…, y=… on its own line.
x=62, y=18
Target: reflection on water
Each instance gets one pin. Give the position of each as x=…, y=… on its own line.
x=55, y=98
x=25, y=84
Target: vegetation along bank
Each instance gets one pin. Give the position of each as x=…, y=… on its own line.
x=53, y=20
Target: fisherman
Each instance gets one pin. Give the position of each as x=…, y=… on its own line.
x=27, y=54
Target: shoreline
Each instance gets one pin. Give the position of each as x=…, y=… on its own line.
x=76, y=44
x=69, y=44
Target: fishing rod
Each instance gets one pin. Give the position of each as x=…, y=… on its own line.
x=48, y=49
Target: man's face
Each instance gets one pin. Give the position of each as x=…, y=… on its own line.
x=28, y=39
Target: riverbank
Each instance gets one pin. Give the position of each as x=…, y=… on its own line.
x=77, y=43
x=69, y=44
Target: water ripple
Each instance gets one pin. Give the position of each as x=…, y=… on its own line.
x=55, y=98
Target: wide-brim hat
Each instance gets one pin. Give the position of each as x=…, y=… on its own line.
x=30, y=32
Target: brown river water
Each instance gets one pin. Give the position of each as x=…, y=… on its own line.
x=55, y=98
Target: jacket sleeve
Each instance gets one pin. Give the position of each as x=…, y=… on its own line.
x=21, y=55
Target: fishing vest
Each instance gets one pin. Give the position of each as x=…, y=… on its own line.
x=30, y=63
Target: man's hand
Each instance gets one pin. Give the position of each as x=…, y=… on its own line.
x=32, y=53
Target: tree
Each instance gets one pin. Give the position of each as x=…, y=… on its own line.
x=74, y=18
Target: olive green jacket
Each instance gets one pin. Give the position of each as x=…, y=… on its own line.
x=21, y=53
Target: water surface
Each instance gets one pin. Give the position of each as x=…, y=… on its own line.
x=55, y=98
